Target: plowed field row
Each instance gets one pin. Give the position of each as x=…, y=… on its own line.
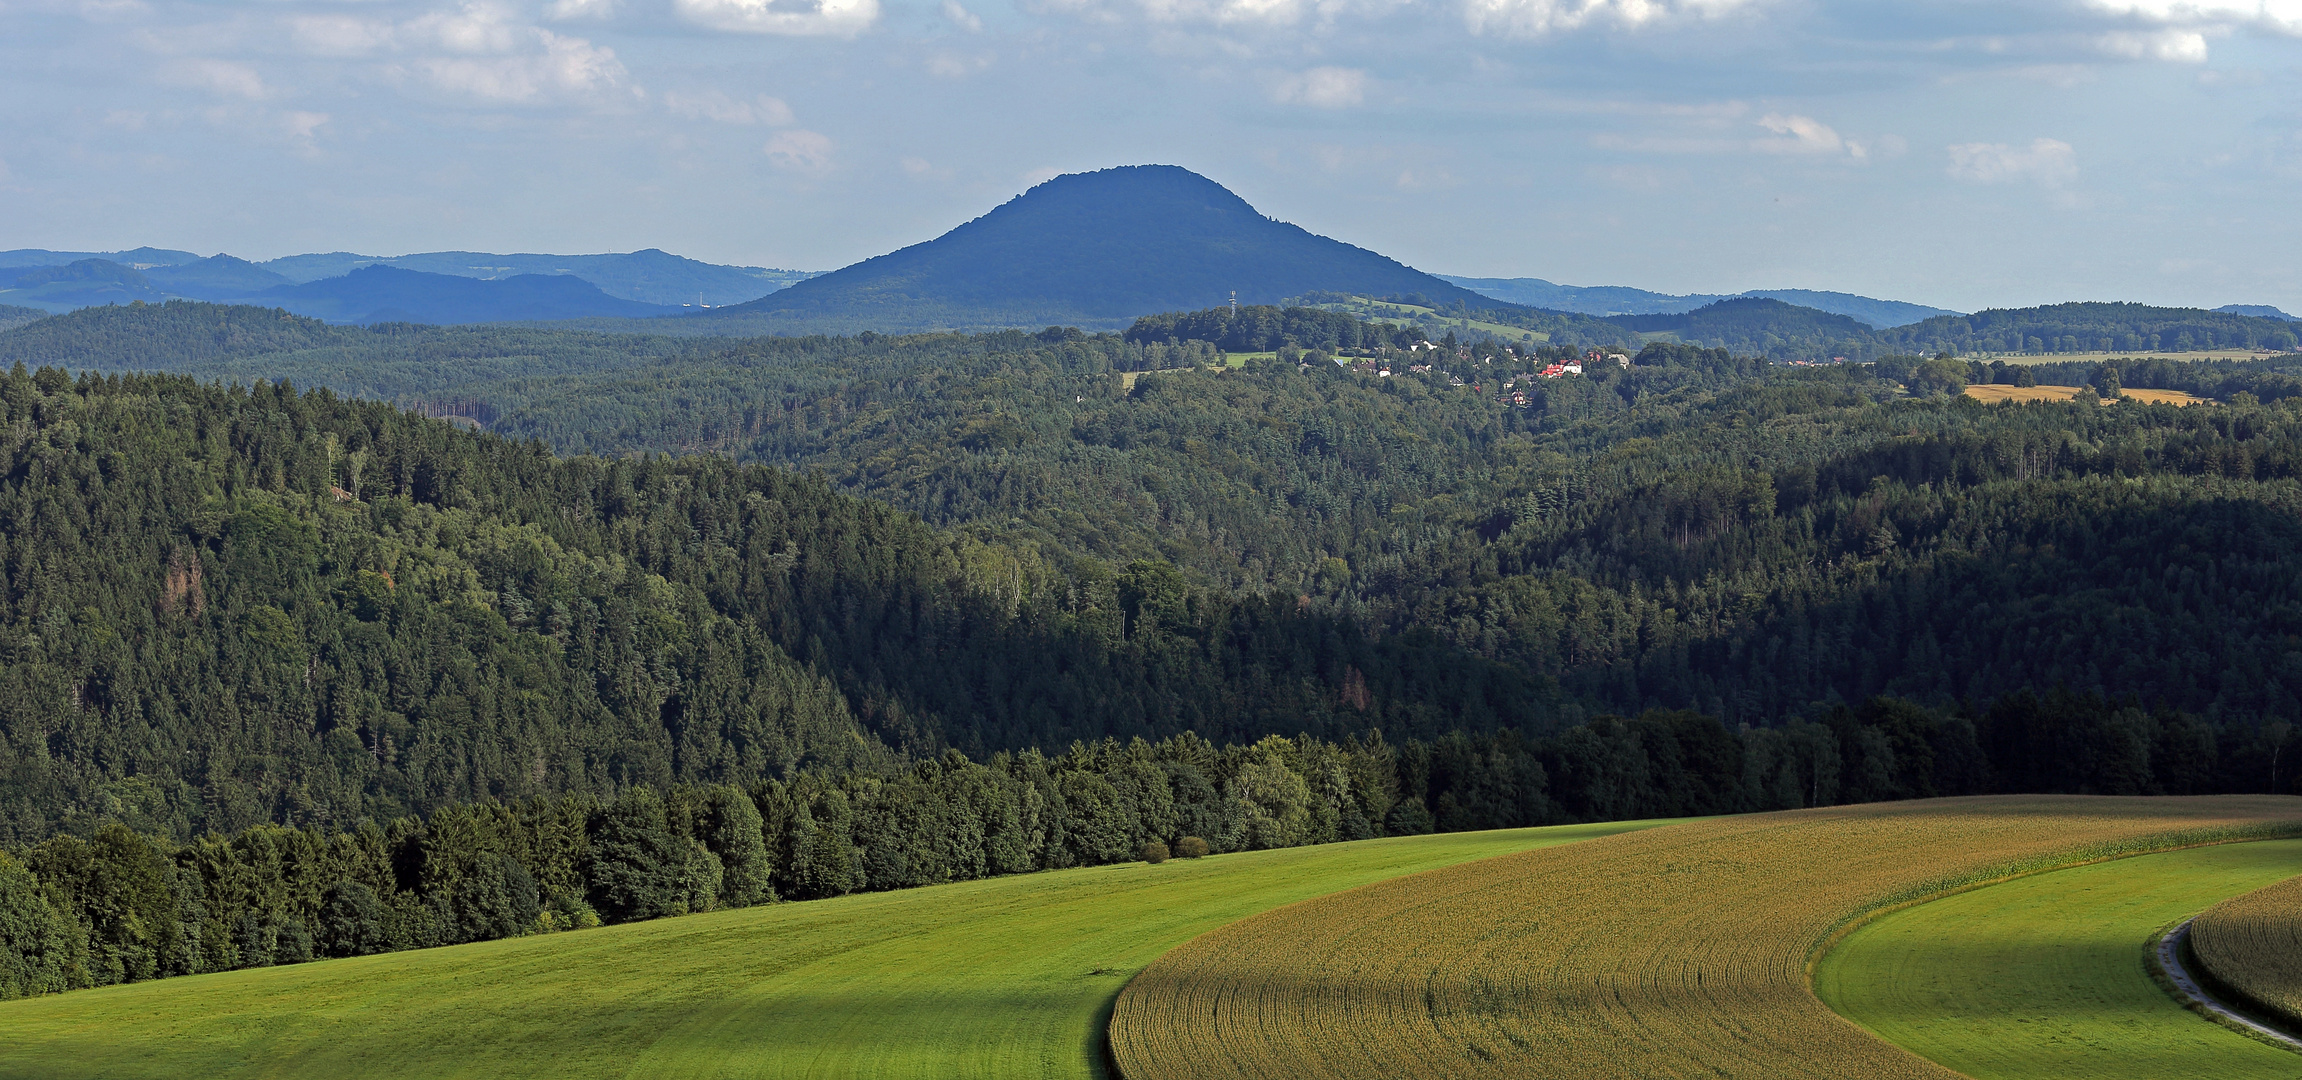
x=2253, y=945
x=1678, y=952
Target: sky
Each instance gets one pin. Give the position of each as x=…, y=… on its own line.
x=1961, y=153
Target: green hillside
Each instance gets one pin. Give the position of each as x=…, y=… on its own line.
x=1003, y=978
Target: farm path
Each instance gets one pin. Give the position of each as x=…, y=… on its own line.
x=2170, y=961
x=1674, y=953
x=2046, y=977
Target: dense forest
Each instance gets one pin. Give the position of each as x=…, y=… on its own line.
x=891, y=579
x=120, y=905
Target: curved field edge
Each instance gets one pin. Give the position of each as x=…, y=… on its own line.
x=1944, y=888
x=1680, y=951
x=2051, y=976
x=2249, y=949
x=1004, y=977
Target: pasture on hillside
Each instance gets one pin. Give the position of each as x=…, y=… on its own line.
x=1681, y=951
x=2045, y=977
x=999, y=978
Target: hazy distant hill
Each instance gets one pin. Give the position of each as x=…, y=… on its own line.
x=1092, y=250
x=1624, y=300
x=219, y=277
x=2091, y=327
x=1756, y=325
x=388, y=294
x=133, y=258
x=82, y=283
x=12, y=316
x=652, y=276
x=2259, y=311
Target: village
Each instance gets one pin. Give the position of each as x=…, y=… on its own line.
x=1419, y=358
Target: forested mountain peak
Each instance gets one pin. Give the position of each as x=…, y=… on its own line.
x=1096, y=250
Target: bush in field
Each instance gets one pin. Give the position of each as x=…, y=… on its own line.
x=1191, y=847
x=1154, y=853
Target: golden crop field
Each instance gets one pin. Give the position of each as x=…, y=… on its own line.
x=1993, y=392
x=1678, y=952
x=1996, y=393
x=2165, y=397
x=2253, y=944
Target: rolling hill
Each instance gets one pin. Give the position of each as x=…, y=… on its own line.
x=1093, y=250
x=218, y=277
x=1679, y=951
x=83, y=283
x=652, y=276
x=1007, y=977
x=373, y=294
x=1624, y=300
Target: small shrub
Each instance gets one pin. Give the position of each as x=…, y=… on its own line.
x=1191, y=847
x=1154, y=853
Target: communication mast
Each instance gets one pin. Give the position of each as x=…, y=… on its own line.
x=1234, y=301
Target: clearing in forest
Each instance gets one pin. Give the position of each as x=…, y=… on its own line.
x=1681, y=951
x=1992, y=392
x=1996, y=392
x=1006, y=977
x=2043, y=977
x=2252, y=944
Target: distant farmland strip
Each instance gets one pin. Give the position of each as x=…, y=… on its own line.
x=1677, y=952
x=2253, y=945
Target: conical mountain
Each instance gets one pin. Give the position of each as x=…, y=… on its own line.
x=1097, y=249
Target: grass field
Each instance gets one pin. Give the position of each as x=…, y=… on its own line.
x=2043, y=977
x=1995, y=393
x=1676, y=952
x=2253, y=944
x=1010, y=977
x=2098, y=357
x=1434, y=323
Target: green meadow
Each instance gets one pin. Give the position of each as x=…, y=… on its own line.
x=2045, y=977
x=1008, y=977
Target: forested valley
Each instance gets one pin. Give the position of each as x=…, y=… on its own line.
x=689, y=623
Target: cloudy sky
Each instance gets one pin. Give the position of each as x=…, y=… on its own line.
x=1965, y=153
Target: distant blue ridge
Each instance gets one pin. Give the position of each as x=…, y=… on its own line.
x=1624, y=300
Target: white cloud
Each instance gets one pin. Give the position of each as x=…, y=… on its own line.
x=482, y=51
x=1535, y=18
x=2284, y=16
x=220, y=77
x=1804, y=135
x=832, y=18
x=303, y=125
x=2185, y=46
x=1323, y=88
x=718, y=107
x=564, y=10
x=947, y=65
x=2046, y=162
x=799, y=150
x=962, y=18
x=561, y=67
x=340, y=35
